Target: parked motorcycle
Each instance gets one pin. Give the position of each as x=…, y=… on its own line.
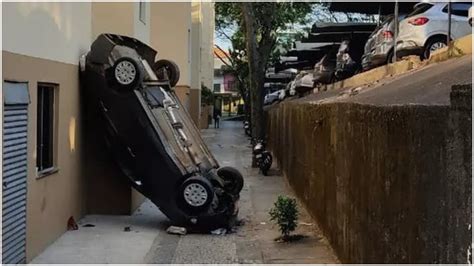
x=247, y=129
x=263, y=157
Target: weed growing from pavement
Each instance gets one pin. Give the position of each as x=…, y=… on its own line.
x=285, y=214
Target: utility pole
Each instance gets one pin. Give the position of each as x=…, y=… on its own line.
x=395, y=34
x=449, y=24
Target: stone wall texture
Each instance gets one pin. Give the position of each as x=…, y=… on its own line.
x=386, y=184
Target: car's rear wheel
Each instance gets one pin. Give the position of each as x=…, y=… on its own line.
x=433, y=45
x=196, y=193
x=168, y=67
x=233, y=179
x=125, y=74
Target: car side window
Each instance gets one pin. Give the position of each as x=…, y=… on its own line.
x=459, y=9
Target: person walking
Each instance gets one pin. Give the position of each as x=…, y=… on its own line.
x=217, y=117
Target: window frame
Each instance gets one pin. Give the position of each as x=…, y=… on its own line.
x=142, y=11
x=53, y=141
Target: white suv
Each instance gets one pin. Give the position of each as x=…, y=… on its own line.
x=425, y=29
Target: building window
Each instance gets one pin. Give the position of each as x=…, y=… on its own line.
x=142, y=11
x=217, y=87
x=45, y=128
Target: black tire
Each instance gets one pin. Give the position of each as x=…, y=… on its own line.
x=172, y=71
x=233, y=179
x=434, y=41
x=125, y=74
x=195, y=202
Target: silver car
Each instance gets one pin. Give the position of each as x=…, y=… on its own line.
x=379, y=47
x=425, y=29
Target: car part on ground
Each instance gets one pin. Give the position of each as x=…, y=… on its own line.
x=152, y=137
x=425, y=30
x=379, y=47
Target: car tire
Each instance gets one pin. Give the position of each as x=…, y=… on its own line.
x=171, y=68
x=432, y=45
x=126, y=74
x=196, y=193
x=233, y=179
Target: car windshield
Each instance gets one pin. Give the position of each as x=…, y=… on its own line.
x=421, y=8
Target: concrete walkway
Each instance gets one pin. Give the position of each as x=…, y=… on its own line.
x=147, y=241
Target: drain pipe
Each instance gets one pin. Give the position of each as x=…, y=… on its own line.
x=395, y=34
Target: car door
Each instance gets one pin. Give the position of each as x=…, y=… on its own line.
x=459, y=19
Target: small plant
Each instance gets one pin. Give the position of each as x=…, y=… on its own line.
x=285, y=214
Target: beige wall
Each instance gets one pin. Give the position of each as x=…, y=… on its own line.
x=110, y=17
x=170, y=35
x=56, y=31
x=106, y=180
x=42, y=43
x=207, y=44
x=51, y=199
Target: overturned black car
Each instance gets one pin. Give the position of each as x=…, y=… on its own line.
x=152, y=137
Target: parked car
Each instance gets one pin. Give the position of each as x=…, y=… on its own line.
x=303, y=82
x=151, y=136
x=349, y=56
x=324, y=70
x=425, y=29
x=271, y=97
x=378, y=49
x=470, y=16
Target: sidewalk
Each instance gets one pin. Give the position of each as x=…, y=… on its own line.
x=147, y=241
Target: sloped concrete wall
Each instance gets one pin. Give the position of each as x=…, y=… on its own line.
x=387, y=184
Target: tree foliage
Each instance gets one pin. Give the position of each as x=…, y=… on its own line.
x=255, y=29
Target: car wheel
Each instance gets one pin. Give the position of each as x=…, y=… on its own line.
x=171, y=69
x=196, y=193
x=233, y=179
x=126, y=73
x=433, y=45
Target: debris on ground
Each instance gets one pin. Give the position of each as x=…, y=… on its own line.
x=126, y=229
x=71, y=224
x=263, y=223
x=176, y=230
x=88, y=225
x=219, y=231
x=303, y=223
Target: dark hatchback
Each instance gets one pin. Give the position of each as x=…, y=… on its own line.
x=151, y=136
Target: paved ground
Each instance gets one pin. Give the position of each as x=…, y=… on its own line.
x=147, y=241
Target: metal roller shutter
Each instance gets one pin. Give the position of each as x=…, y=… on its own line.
x=15, y=123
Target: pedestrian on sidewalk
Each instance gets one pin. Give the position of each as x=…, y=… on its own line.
x=217, y=117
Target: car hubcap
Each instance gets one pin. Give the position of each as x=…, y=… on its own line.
x=437, y=46
x=125, y=72
x=195, y=194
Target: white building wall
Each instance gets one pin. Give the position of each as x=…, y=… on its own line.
x=59, y=31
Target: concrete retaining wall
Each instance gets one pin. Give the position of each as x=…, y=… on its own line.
x=387, y=184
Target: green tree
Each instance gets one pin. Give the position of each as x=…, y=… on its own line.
x=259, y=25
